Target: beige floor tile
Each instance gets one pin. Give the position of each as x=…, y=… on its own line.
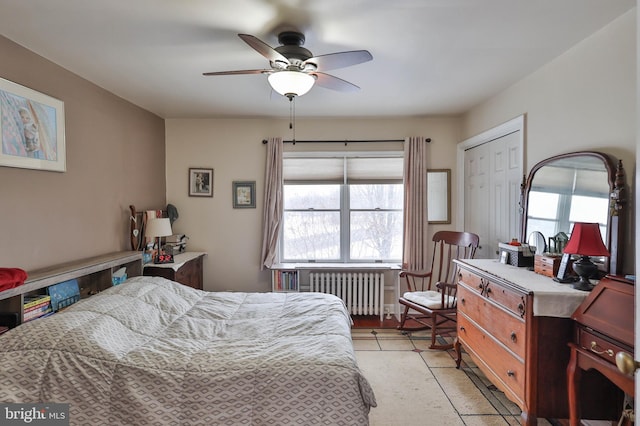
x=515, y=420
x=435, y=358
x=399, y=380
x=389, y=333
x=366, y=345
x=472, y=420
x=396, y=344
x=464, y=394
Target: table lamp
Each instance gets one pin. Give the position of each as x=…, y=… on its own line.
x=158, y=228
x=585, y=241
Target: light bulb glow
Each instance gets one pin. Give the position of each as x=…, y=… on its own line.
x=291, y=82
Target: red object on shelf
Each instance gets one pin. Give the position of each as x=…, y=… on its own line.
x=11, y=277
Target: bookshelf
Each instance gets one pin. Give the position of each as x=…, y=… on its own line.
x=94, y=275
x=284, y=280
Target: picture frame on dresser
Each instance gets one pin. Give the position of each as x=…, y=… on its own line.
x=200, y=182
x=33, y=132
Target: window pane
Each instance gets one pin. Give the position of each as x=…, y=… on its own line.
x=589, y=209
x=381, y=196
x=376, y=235
x=311, y=235
x=548, y=228
x=543, y=205
x=302, y=197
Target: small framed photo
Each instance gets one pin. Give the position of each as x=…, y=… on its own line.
x=504, y=257
x=200, y=182
x=244, y=195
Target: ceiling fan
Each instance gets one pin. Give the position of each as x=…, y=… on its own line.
x=294, y=69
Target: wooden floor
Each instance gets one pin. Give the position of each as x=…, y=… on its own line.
x=373, y=321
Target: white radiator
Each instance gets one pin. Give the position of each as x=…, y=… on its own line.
x=362, y=292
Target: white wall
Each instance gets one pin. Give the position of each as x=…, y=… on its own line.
x=233, y=148
x=583, y=100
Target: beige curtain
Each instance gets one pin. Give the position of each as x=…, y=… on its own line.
x=273, y=203
x=414, y=255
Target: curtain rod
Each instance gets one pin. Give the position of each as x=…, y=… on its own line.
x=264, y=141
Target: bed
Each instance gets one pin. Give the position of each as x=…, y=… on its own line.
x=152, y=351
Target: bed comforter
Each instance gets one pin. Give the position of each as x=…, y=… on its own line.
x=154, y=352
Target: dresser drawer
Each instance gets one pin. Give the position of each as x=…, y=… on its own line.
x=511, y=300
x=504, y=367
x=508, y=329
x=472, y=281
x=599, y=346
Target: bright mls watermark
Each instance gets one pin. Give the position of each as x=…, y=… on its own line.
x=40, y=414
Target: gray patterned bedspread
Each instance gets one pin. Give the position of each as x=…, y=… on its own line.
x=154, y=352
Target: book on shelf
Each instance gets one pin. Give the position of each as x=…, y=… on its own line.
x=39, y=306
x=286, y=280
x=31, y=301
x=40, y=315
x=37, y=313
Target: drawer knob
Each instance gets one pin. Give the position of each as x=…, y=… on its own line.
x=511, y=373
x=598, y=350
x=462, y=328
x=462, y=300
x=626, y=363
x=513, y=336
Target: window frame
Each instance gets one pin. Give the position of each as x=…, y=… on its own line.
x=345, y=207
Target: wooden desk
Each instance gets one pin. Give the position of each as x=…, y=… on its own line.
x=185, y=269
x=604, y=327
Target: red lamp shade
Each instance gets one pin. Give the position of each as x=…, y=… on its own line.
x=586, y=240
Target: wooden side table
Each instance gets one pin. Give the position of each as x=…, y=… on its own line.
x=185, y=269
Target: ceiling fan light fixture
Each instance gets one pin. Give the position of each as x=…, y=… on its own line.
x=291, y=83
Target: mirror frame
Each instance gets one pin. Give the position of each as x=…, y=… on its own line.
x=444, y=191
x=615, y=229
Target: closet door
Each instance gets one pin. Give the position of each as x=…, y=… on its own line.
x=493, y=173
x=476, y=195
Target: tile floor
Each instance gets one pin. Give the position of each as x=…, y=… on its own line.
x=418, y=386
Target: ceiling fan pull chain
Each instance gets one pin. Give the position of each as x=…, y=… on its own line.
x=292, y=117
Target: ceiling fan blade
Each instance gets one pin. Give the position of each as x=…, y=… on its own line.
x=237, y=72
x=263, y=48
x=334, y=83
x=333, y=61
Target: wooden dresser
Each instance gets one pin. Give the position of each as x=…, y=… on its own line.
x=516, y=326
x=186, y=269
x=604, y=327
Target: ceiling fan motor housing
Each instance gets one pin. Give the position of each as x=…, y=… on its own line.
x=291, y=48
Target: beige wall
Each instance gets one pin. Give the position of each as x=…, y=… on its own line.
x=583, y=100
x=115, y=157
x=233, y=148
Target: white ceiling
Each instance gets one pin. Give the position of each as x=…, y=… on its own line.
x=429, y=56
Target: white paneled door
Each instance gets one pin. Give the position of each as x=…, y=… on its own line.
x=493, y=173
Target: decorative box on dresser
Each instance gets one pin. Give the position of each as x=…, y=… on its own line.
x=516, y=325
x=185, y=269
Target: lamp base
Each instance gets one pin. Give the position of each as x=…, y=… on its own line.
x=583, y=285
x=585, y=269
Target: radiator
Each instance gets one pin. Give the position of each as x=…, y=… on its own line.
x=362, y=292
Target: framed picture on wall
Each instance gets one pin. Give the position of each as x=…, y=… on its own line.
x=31, y=129
x=439, y=196
x=244, y=195
x=200, y=182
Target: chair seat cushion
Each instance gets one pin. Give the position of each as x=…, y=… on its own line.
x=429, y=299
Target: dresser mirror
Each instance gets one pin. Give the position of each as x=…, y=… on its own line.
x=582, y=186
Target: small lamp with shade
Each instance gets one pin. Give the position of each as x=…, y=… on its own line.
x=158, y=228
x=585, y=241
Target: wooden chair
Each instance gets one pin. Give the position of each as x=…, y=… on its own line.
x=433, y=293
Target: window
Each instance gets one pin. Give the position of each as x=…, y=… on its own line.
x=342, y=208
